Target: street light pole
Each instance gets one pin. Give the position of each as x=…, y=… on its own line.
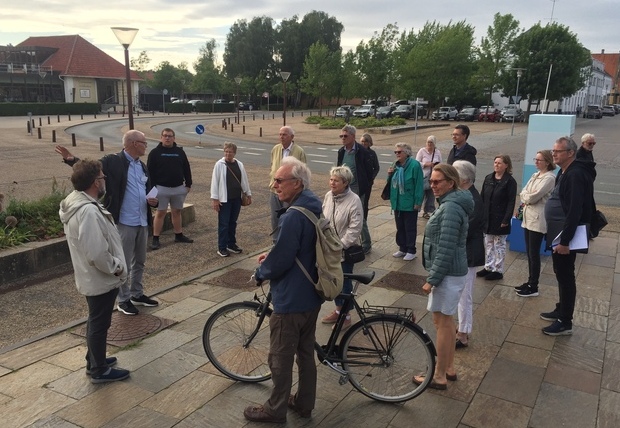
x=238, y=81
x=285, y=75
x=517, y=103
x=125, y=36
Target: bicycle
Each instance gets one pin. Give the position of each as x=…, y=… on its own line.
x=378, y=355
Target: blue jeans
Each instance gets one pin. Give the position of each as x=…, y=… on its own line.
x=347, y=286
x=227, y=223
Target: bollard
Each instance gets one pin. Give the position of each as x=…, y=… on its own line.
x=225, y=126
x=33, y=123
x=53, y=135
x=153, y=113
x=29, y=127
x=302, y=114
x=243, y=132
x=260, y=131
x=263, y=116
x=40, y=124
x=224, y=123
x=253, y=117
x=229, y=120
x=108, y=115
x=58, y=118
x=292, y=114
x=81, y=116
x=123, y=113
x=73, y=143
x=273, y=115
x=48, y=120
x=244, y=117
x=69, y=115
x=95, y=115
x=39, y=132
x=138, y=113
x=101, y=143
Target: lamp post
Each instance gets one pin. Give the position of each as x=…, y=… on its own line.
x=285, y=75
x=517, y=101
x=238, y=82
x=125, y=36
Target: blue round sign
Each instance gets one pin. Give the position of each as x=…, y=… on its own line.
x=200, y=129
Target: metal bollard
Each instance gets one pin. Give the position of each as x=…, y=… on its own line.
x=232, y=127
x=48, y=120
x=243, y=130
x=95, y=115
x=73, y=143
x=101, y=143
x=29, y=128
x=108, y=115
x=69, y=115
x=260, y=131
x=53, y=135
x=39, y=133
x=40, y=124
x=58, y=118
x=81, y=116
x=253, y=117
x=273, y=115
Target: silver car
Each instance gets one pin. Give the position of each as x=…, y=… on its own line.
x=365, y=110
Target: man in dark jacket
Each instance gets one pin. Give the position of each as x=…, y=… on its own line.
x=127, y=183
x=357, y=158
x=461, y=149
x=170, y=173
x=296, y=303
x=588, y=141
x=569, y=205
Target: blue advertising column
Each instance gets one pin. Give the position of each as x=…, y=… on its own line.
x=542, y=132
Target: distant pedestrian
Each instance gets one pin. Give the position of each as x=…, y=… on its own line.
x=429, y=156
x=366, y=141
x=461, y=149
x=588, y=141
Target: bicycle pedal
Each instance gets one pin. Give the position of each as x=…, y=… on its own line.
x=344, y=379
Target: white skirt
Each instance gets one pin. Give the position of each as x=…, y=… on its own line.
x=445, y=297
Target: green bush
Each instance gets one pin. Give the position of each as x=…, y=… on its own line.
x=327, y=122
x=36, y=220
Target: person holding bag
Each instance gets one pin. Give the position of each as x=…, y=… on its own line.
x=428, y=157
x=229, y=183
x=343, y=208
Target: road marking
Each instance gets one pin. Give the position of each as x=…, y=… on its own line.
x=253, y=154
x=319, y=156
x=318, y=161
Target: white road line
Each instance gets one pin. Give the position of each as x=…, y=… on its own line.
x=318, y=161
x=252, y=154
x=319, y=156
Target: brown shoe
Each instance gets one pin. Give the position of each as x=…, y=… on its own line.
x=258, y=414
x=331, y=318
x=301, y=413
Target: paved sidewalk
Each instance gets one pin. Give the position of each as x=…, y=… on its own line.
x=511, y=375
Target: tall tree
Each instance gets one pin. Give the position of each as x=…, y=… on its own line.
x=176, y=79
x=320, y=70
x=208, y=76
x=250, y=48
x=141, y=63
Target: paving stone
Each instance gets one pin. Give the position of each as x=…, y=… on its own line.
x=499, y=308
x=52, y=422
x=429, y=410
x=75, y=385
x=29, y=378
x=216, y=293
x=357, y=410
x=573, y=378
x=613, y=331
x=486, y=411
x=513, y=381
x=559, y=406
x=28, y=354
x=4, y=398
x=611, y=367
x=181, y=292
x=152, y=348
x=164, y=371
x=531, y=337
x=490, y=330
x=141, y=417
x=609, y=410
x=590, y=321
x=194, y=325
x=525, y=354
x=592, y=306
x=4, y=371
x=185, y=309
x=32, y=406
x=584, y=349
x=71, y=359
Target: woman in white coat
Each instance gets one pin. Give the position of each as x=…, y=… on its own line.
x=533, y=197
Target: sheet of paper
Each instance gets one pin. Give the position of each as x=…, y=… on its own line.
x=152, y=193
x=579, y=241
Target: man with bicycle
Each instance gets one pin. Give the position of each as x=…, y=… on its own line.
x=296, y=303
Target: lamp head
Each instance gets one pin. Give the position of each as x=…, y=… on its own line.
x=125, y=35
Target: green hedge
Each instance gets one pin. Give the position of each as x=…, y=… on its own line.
x=200, y=108
x=43, y=109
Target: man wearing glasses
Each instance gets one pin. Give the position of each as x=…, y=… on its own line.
x=127, y=183
x=588, y=141
x=170, y=173
x=461, y=149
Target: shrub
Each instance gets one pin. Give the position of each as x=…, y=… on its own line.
x=368, y=122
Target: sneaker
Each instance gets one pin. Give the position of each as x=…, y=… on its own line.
x=482, y=273
x=155, y=245
x=234, y=249
x=223, y=253
x=183, y=239
x=127, y=308
x=399, y=254
x=409, y=257
x=346, y=324
x=528, y=292
x=110, y=361
x=523, y=286
x=558, y=328
x=493, y=276
x=367, y=250
x=111, y=375
x=331, y=318
x=550, y=316
x=144, y=300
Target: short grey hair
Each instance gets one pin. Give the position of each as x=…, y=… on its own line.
x=290, y=131
x=569, y=143
x=350, y=129
x=466, y=170
x=299, y=170
x=586, y=137
x=343, y=173
x=132, y=135
x=404, y=147
x=432, y=139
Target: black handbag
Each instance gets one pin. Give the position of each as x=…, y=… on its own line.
x=354, y=254
x=598, y=222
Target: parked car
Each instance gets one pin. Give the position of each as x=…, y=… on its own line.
x=385, y=111
x=617, y=108
x=404, y=110
x=489, y=114
x=365, y=110
x=469, y=114
x=343, y=109
x=445, y=113
x=593, y=112
x=609, y=111
x=248, y=105
x=400, y=102
x=509, y=113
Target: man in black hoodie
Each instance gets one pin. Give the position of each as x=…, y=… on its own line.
x=461, y=149
x=569, y=205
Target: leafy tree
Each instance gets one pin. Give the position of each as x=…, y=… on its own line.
x=141, y=63
x=250, y=48
x=176, y=79
x=208, y=76
x=320, y=71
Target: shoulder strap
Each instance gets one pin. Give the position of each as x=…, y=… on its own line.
x=310, y=215
x=231, y=171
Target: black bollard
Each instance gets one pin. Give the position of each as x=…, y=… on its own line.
x=101, y=143
x=39, y=132
x=81, y=116
x=48, y=120
x=29, y=128
x=243, y=130
x=40, y=124
x=232, y=127
x=260, y=131
x=58, y=118
x=53, y=135
x=69, y=117
x=73, y=143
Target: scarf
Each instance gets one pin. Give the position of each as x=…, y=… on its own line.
x=398, y=180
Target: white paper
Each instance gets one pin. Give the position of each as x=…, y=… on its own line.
x=579, y=241
x=152, y=193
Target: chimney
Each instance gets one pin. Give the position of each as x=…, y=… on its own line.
x=602, y=51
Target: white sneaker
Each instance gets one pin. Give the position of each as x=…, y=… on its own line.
x=409, y=256
x=399, y=254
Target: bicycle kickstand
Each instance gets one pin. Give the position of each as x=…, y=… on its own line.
x=344, y=375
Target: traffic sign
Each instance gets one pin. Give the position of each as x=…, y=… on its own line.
x=200, y=129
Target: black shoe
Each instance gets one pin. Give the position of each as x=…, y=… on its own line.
x=155, y=245
x=110, y=361
x=234, y=249
x=111, y=375
x=523, y=286
x=482, y=273
x=528, y=292
x=182, y=238
x=494, y=276
x=223, y=253
x=550, y=316
x=144, y=300
x=558, y=328
x=127, y=308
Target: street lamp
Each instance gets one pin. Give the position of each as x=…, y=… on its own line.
x=285, y=75
x=125, y=36
x=517, y=101
x=238, y=82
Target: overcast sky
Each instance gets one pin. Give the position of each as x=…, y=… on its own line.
x=174, y=30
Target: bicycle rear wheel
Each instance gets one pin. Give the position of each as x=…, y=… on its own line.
x=225, y=338
x=382, y=356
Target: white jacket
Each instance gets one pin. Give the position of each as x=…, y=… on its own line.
x=534, y=195
x=346, y=215
x=94, y=243
x=218, y=181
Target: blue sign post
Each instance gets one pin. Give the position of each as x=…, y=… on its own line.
x=200, y=129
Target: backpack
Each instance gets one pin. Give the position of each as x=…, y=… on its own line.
x=328, y=257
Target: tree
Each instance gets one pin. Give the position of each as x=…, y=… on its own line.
x=250, y=48
x=320, y=70
x=208, y=75
x=140, y=64
x=175, y=79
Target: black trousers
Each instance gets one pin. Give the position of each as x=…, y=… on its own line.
x=99, y=319
x=564, y=268
x=533, y=241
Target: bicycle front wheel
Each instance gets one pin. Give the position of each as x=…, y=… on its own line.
x=226, y=340
x=382, y=356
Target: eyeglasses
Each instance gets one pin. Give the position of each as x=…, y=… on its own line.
x=280, y=180
x=560, y=151
x=436, y=182
x=591, y=143
x=397, y=152
x=141, y=142
x=538, y=160
x=343, y=136
x=167, y=136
